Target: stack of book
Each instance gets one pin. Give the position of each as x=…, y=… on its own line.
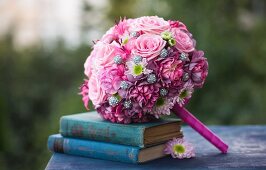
x=88, y=135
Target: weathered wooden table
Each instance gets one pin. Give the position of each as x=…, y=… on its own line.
x=247, y=150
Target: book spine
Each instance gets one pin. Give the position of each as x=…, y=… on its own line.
x=99, y=131
x=93, y=149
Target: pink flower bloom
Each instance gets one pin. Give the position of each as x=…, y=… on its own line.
x=171, y=70
x=184, y=42
x=121, y=117
x=109, y=36
x=106, y=112
x=124, y=116
x=129, y=46
x=184, y=93
x=84, y=91
x=102, y=56
x=150, y=24
x=114, y=114
x=96, y=94
x=177, y=24
x=162, y=107
x=88, y=64
x=132, y=68
x=199, y=68
x=148, y=46
x=111, y=77
x=144, y=94
x=121, y=27
x=179, y=148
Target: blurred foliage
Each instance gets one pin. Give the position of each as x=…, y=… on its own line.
x=38, y=85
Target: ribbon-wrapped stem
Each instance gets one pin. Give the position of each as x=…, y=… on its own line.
x=197, y=125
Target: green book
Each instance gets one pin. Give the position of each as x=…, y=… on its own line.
x=91, y=126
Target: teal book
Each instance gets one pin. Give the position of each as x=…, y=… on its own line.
x=91, y=126
x=103, y=150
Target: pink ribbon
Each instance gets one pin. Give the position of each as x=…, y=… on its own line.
x=203, y=130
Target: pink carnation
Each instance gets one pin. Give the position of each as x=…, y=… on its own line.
x=149, y=46
x=198, y=68
x=184, y=42
x=171, y=70
x=119, y=115
x=150, y=24
x=145, y=95
x=106, y=112
x=111, y=78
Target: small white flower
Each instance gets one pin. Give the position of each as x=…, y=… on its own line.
x=185, y=93
x=137, y=69
x=162, y=107
x=179, y=148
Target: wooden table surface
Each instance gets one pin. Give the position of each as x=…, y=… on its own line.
x=247, y=150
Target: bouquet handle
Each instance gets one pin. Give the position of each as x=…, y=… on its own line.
x=203, y=130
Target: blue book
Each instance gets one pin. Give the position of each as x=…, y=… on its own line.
x=91, y=126
x=102, y=150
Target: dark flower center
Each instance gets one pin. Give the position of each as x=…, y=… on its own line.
x=160, y=101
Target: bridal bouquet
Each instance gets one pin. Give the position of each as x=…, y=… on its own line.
x=144, y=68
x=141, y=68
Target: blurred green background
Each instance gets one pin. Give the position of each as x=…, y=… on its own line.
x=43, y=45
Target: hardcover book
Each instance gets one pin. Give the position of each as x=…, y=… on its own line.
x=91, y=126
x=103, y=150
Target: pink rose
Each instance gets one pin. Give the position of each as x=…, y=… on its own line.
x=102, y=55
x=184, y=42
x=148, y=46
x=87, y=66
x=105, y=55
x=150, y=24
x=84, y=91
x=96, y=94
x=198, y=68
x=111, y=78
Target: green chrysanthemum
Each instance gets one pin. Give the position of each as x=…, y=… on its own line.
x=179, y=149
x=138, y=69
